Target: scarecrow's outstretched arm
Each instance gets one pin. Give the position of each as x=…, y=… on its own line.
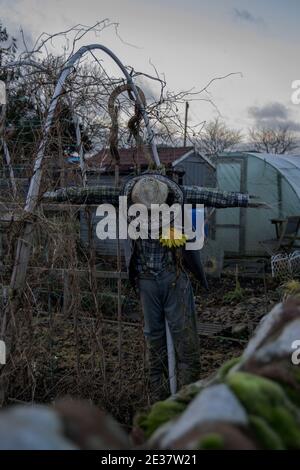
x=88, y=195
x=217, y=198
x=110, y=195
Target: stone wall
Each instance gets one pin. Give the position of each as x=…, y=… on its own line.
x=252, y=403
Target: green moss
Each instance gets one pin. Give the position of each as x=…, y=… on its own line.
x=287, y=426
x=160, y=413
x=292, y=394
x=266, y=399
x=225, y=368
x=187, y=393
x=257, y=393
x=267, y=438
x=295, y=370
x=212, y=441
x=287, y=380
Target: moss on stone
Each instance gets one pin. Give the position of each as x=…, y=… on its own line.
x=187, y=394
x=257, y=393
x=286, y=424
x=160, y=413
x=292, y=394
x=225, y=368
x=211, y=441
x=265, y=435
x=295, y=371
x=266, y=399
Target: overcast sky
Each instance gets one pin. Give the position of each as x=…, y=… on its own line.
x=191, y=42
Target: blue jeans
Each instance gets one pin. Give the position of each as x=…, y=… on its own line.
x=169, y=295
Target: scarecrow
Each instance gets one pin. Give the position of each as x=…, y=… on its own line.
x=159, y=267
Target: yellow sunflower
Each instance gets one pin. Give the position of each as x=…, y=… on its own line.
x=172, y=238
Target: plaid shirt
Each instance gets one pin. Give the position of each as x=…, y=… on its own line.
x=110, y=195
x=214, y=197
x=88, y=195
x=150, y=255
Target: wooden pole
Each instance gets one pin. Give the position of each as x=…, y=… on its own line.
x=186, y=122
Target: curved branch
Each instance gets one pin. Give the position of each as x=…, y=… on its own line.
x=23, y=246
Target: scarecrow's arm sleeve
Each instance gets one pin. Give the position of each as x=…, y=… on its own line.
x=215, y=197
x=88, y=195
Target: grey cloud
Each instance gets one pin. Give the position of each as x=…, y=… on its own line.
x=14, y=30
x=272, y=116
x=271, y=110
x=292, y=125
x=245, y=15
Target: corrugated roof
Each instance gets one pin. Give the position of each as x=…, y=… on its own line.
x=288, y=165
x=130, y=158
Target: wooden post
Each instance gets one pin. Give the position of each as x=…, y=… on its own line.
x=186, y=122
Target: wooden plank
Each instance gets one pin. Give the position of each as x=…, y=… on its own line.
x=211, y=329
x=227, y=225
x=8, y=207
x=77, y=272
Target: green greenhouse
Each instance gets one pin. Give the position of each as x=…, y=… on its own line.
x=274, y=179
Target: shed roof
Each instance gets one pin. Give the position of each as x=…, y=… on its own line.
x=129, y=158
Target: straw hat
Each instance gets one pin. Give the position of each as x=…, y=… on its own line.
x=149, y=190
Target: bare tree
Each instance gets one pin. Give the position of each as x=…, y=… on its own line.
x=218, y=137
x=281, y=140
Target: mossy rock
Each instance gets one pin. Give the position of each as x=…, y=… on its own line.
x=186, y=394
x=160, y=413
x=266, y=399
x=212, y=441
x=296, y=373
x=265, y=435
x=292, y=392
x=225, y=368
